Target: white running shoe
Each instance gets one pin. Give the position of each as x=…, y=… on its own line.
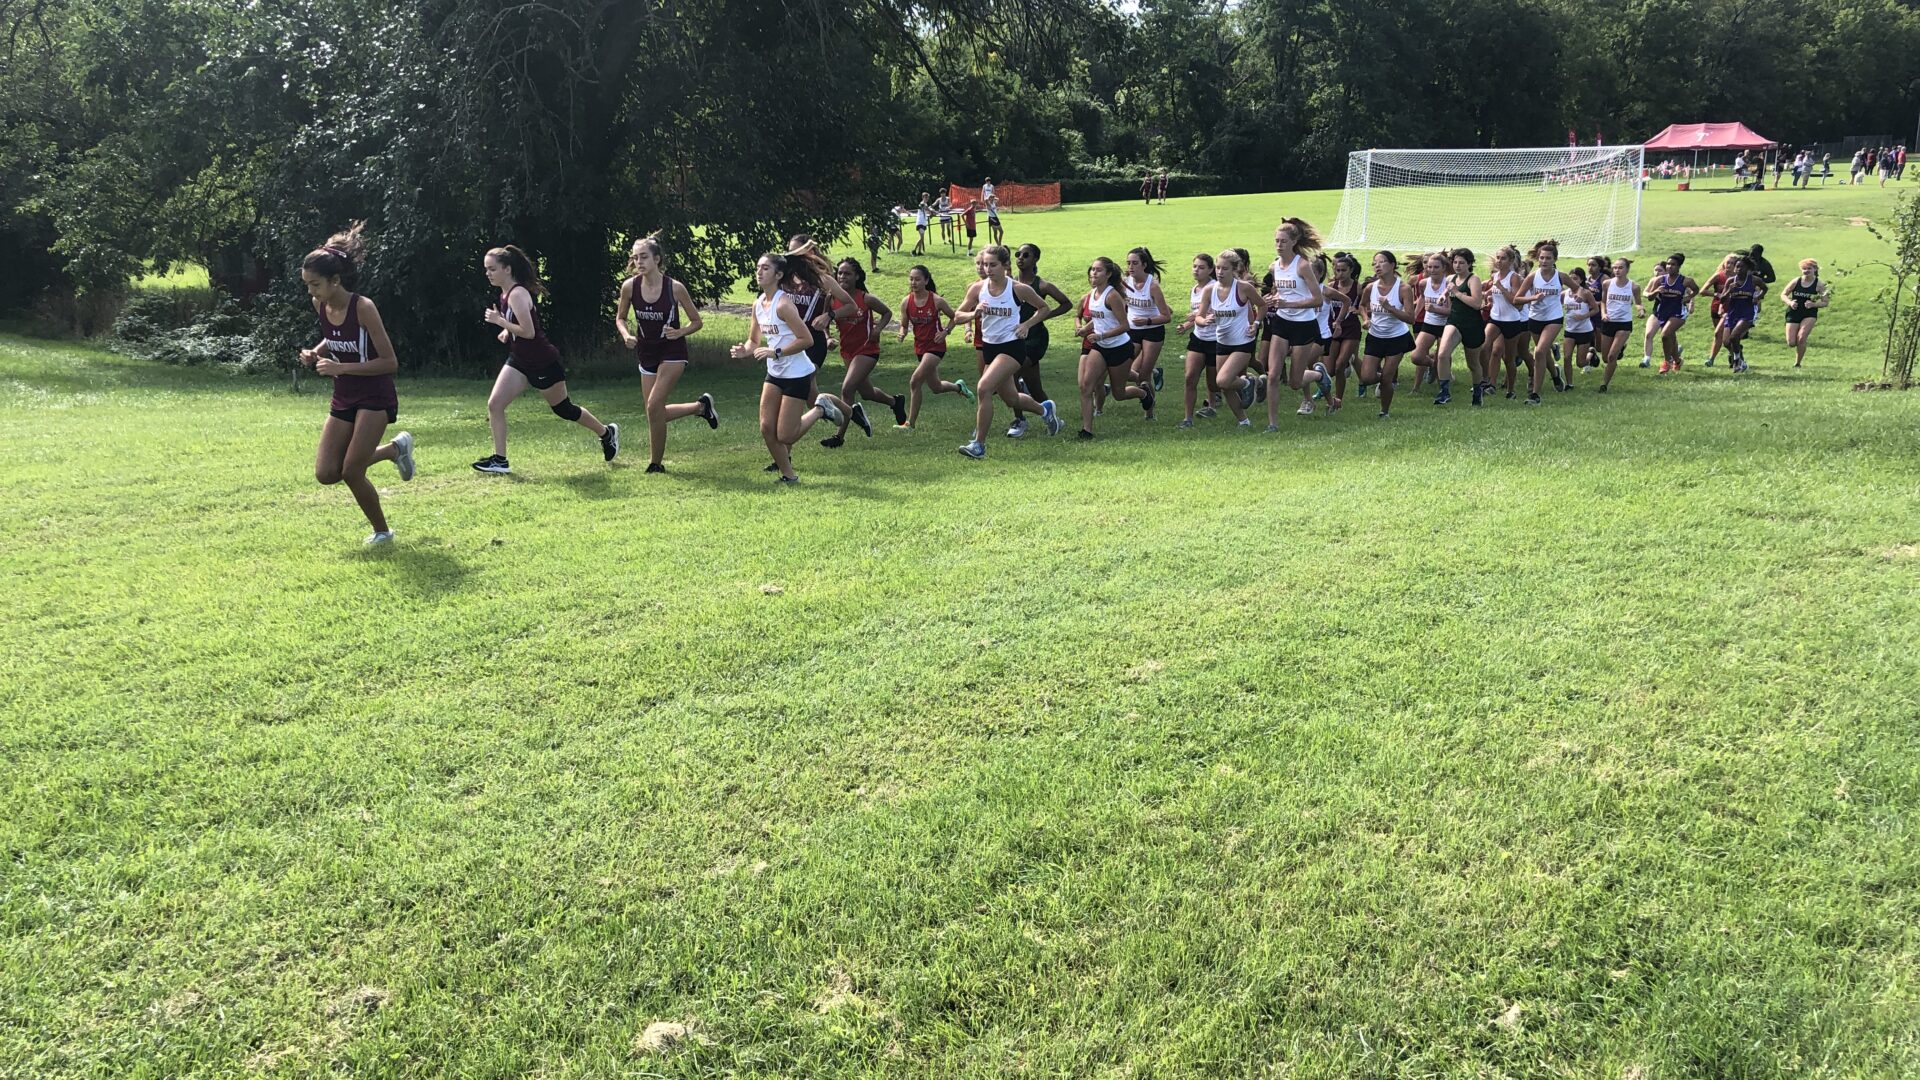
x=974, y=450
x=384, y=536
x=403, y=454
x=1306, y=408
x=1017, y=429
x=827, y=408
x=1244, y=424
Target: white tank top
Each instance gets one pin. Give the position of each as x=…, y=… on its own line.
x=1209, y=331
x=1140, y=305
x=1230, y=317
x=774, y=332
x=1326, y=315
x=1619, y=301
x=1289, y=284
x=1107, y=330
x=1381, y=322
x=999, y=315
x=1503, y=308
x=1434, y=294
x=1548, y=308
x=1579, y=315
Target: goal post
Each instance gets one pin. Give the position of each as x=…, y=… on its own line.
x=1586, y=197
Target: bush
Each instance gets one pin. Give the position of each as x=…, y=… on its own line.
x=169, y=330
x=1122, y=188
x=62, y=312
x=151, y=312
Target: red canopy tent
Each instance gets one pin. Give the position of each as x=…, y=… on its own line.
x=1709, y=137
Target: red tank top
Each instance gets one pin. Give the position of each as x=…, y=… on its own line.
x=651, y=319
x=925, y=320
x=856, y=328
x=534, y=352
x=348, y=343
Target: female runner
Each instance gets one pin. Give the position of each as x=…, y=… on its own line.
x=1577, y=300
x=1465, y=329
x=1296, y=301
x=660, y=341
x=1346, y=333
x=1027, y=259
x=995, y=301
x=1740, y=296
x=1805, y=297
x=531, y=358
x=1200, y=335
x=1671, y=308
x=1106, y=347
x=1147, y=317
x=1620, y=301
x=860, y=348
x=354, y=352
x=931, y=317
x=1546, y=314
x=1436, y=310
x=1509, y=322
x=780, y=338
x=1232, y=308
x=1390, y=309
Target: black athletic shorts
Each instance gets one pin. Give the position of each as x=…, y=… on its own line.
x=1200, y=346
x=1114, y=355
x=1510, y=328
x=540, y=378
x=1037, y=342
x=351, y=414
x=1472, y=335
x=796, y=388
x=1611, y=328
x=1580, y=337
x=1017, y=348
x=1432, y=330
x=1224, y=348
x=1539, y=326
x=1147, y=333
x=1383, y=347
x=1297, y=332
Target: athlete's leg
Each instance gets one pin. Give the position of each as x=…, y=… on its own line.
x=658, y=390
x=1093, y=369
x=557, y=393
x=508, y=385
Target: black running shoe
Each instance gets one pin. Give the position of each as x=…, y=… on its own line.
x=654, y=466
x=1146, y=400
x=859, y=416
x=1084, y=435
x=610, y=441
x=1603, y=388
x=833, y=442
x=772, y=466
x=900, y=410
x=1533, y=399
x=492, y=463
x=708, y=413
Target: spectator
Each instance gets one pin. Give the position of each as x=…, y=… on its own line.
x=1779, y=166
x=1859, y=165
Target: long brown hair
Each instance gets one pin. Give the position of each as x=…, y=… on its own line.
x=520, y=267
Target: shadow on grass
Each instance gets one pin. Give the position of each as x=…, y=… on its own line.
x=421, y=565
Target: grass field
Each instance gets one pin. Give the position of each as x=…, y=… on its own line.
x=1575, y=741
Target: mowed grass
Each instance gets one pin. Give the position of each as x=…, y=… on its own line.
x=1575, y=741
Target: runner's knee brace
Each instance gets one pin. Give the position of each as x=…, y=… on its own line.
x=565, y=409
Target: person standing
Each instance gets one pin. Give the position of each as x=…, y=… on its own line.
x=1779, y=166
x=995, y=233
x=970, y=217
x=921, y=218
x=986, y=191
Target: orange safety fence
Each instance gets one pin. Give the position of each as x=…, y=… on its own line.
x=1013, y=198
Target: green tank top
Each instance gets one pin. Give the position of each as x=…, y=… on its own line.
x=1461, y=314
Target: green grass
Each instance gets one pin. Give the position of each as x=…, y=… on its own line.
x=1577, y=741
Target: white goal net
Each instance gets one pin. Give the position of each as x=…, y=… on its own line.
x=1586, y=197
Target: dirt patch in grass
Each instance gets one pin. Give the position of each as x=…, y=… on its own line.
x=1858, y=222
x=1703, y=229
x=662, y=1036
x=1902, y=551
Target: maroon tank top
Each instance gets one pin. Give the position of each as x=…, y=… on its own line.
x=652, y=319
x=348, y=343
x=534, y=353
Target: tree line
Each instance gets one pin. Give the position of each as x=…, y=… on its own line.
x=137, y=134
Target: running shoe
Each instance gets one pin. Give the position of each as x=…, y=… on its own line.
x=1020, y=385
x=860, y=419
x=828, y=409
x=610, y=442
x=1533, y=399
x=1382, y=415
x=1084, y=435
x=708, y=413
x=833, y=442
x=1096, y=410
x=1187, y=423
x=384, y=536
x=1270, y=429
x=492, y=463
x=1509, y=395
x=1017, y=429
x=1603, y=388
x=1445, y=397
x=1206, y=412
x=1710, y=360
x=786, y=480
x=403, y=454
x=1260, y=390
x=1477, y=395
x=1246, y=393
x=975, y=449
x=1666, y=366
x=1557, y=383
x=654, y=466
x=1324, y=385
x=900, y=410
x=1146, y=401
x=1646, y=361
x=1306, y=408
x=1556, y=352
x=965, y=390
x=772, y=466
x=1158, y=380
x=1050, y=416
x=1248, y=424
x=1363, y=389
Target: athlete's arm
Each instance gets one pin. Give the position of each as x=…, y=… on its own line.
x=1065, y=302
x=904, y=301
x=1115, y=305
x=1025, y=294
x=1403, y=314
x=520, y=301
x=620, y=311
x=886, y=313
x=694, y=322
x=970, y=305
x=1164, y=314
x=941, y=306
x=1311, y=279
x=1248, y=293
x=1083, y=325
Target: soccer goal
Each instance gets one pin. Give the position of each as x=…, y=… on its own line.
x=1587, y=197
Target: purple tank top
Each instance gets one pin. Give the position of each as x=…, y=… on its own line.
x=651, y=319
x=531, y=353
x=348, y=343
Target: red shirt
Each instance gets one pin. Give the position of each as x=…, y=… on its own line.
x=971, y=216
x=856, y=327
x=925, y=320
